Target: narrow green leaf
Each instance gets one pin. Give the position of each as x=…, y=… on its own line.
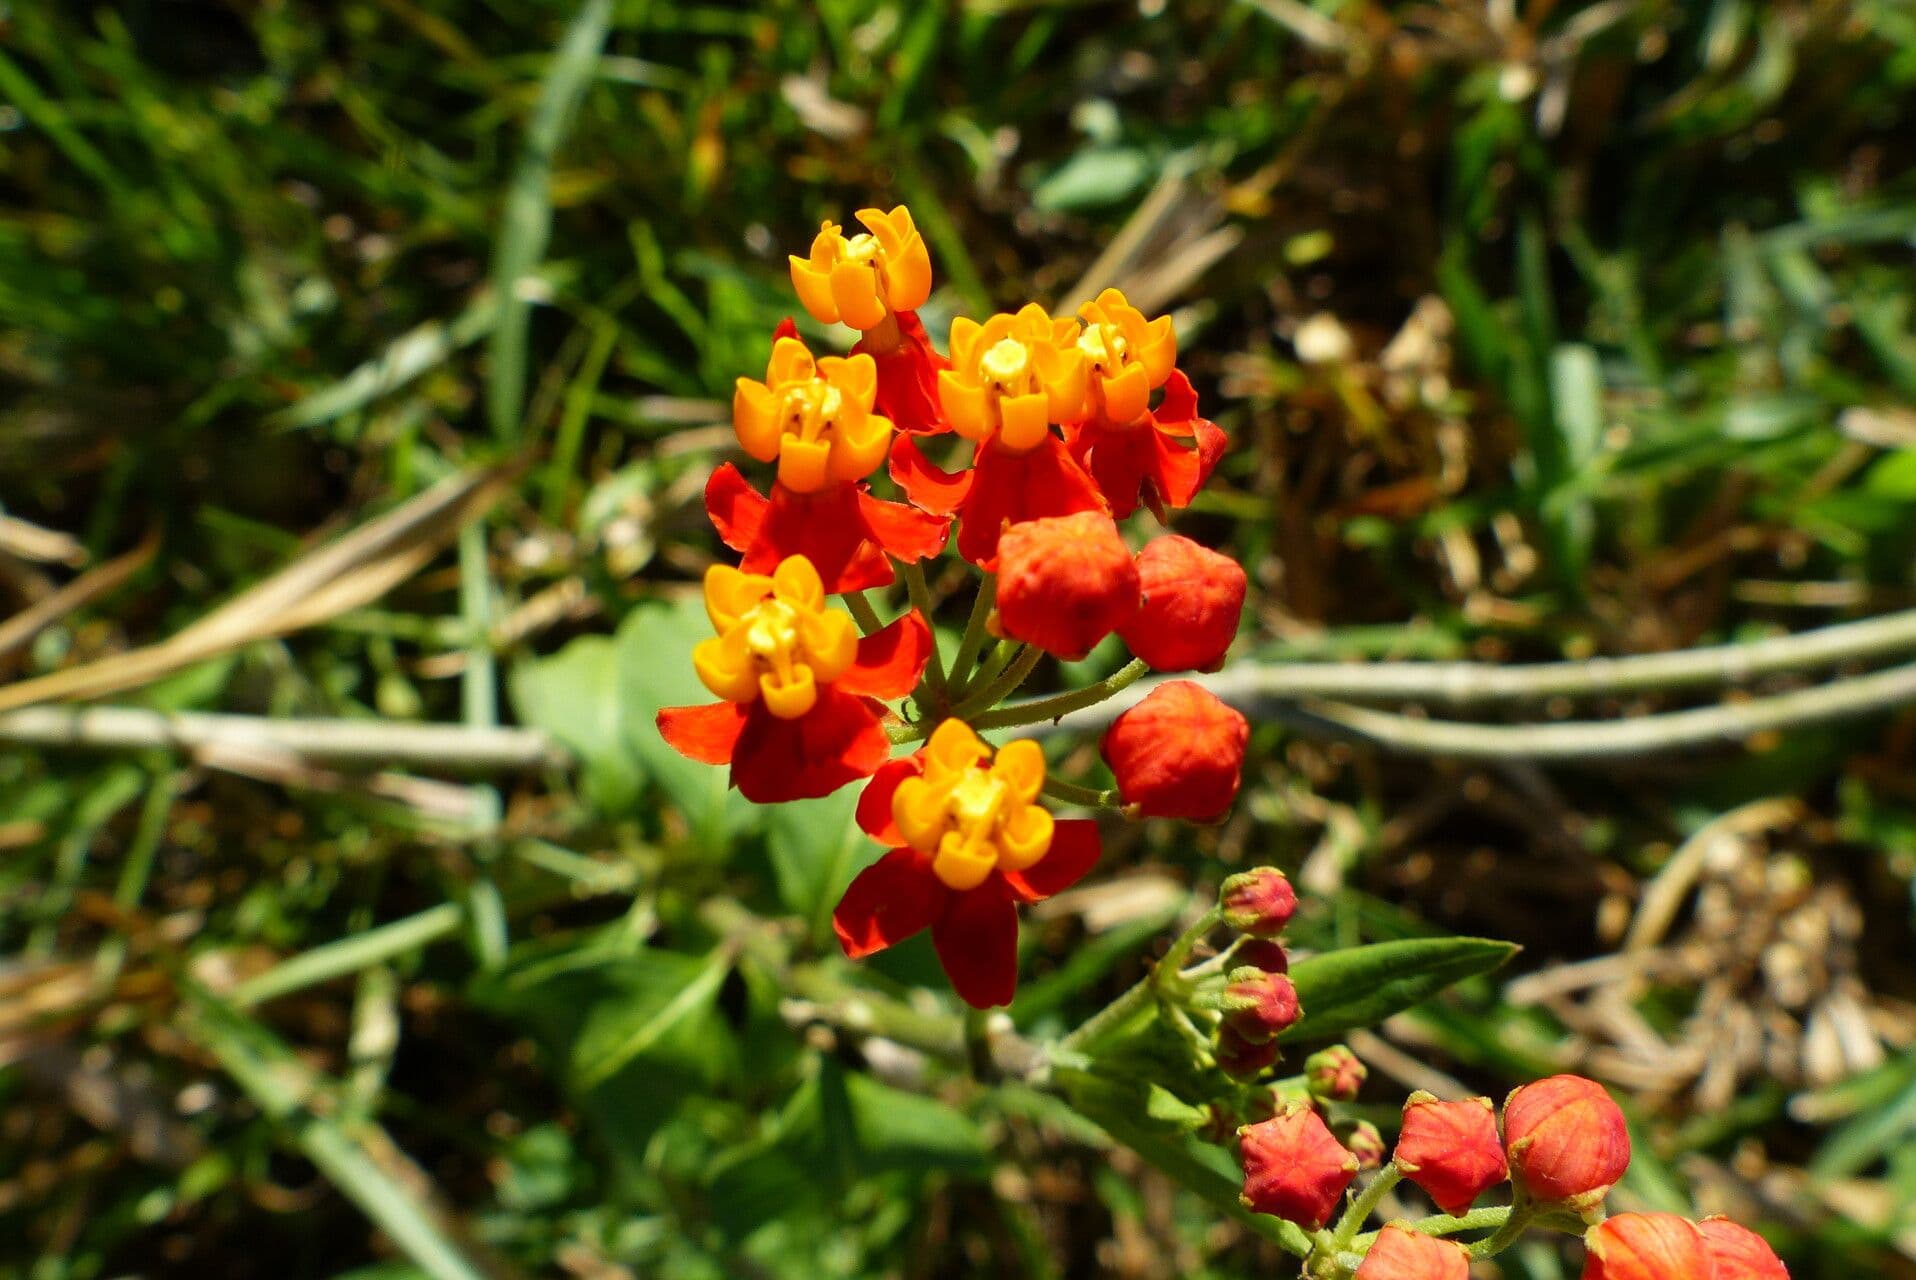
x=1360, y=987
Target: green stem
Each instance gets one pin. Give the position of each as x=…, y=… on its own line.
x=1443, y=1224
x=1064, y=703
x=1006, y=682
x=862, y=612
x=920, y=592
x=1521, y=1215
x=975, y=633
x=1071, y=793
x=1181, y=946
x=1365, y=1204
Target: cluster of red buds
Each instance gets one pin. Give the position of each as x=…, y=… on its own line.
x=1258, y=1002
x=1061, y=426
x=1563, y=1145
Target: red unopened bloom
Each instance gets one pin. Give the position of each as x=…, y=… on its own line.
x=1239, y=1057
x=1450, y=1149
x=969, y=842
x=1294, y=1168
x=1189, y=601
x=798, y=717
x=1259, y=902
x=1178, y=754
x=1566, y=1140
x=1367, y=1144
x=1258, y=1005
x=875, y=282
x=1011, y=379
x=1065, y=582
x=814, y=419
x=1134, y=452
x=1262, y=953
x=1337, y=1074
x=1739, y=1253
x=1399, y=1253
x=1646, y=1246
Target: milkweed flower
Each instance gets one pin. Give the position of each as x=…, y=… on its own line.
x=1065, y=582
x=1294, y=1167
x=814, y=418
x=1240, y=1057
x=1012, y=378
x=1566, y=1140
x=875, y=281
x=1178, y=754
x=1646, y=1246
x=1450, y=1149
x=1336, y=1074
x=1135, y=453
x=969, y=842
x=1259, y=1005
x=1738, y=1253
x=1399, y=1253
x=796, y=717
x=1259, y=902
x=1189, y=602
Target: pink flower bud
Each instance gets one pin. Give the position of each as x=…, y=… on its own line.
x=1739, y=1253
x=1259, y=1006
x=1366, y=1144
x=1261, y=953
x=1450, y=1149
x=1259, y=902
x=1293, y=1168
x=1334, y=1074
x=1566, y=1140
x=1240, y=1058
x=1399, y=1253
x=1646, y=1246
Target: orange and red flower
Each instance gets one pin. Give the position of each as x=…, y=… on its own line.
x=1138, y=454
x=797, y=716
x=875, y=282
x=815, y=420
x=1012, y=378
x=969, y=842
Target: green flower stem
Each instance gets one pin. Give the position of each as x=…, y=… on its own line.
x=1071, y=793
x=1444, y=1225
x=995, y=661
x=1064, y=703
x=920, y=593
x=1364, y=1205
x=862, y=612
x=1181, y=947
x=1007, y=681
x=974, y=639
x=1521, y=1216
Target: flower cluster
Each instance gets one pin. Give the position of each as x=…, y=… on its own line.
x=1563, y=1145
x=1035, y=435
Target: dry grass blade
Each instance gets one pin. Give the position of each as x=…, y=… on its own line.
x=343, y=574
x=18, y=631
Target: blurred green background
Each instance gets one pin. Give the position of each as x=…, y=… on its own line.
x=1541, y=330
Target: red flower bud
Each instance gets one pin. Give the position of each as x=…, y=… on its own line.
x=1293, y=1168
x=1259, y=1005
x=1739, y=1253
x=1566, y=1140
x=1646, y=1246
x=1366, y=1144
x=1065, y=582
x=1259, y=902
x=1240, y=1058
x=1178, y=754
x=1191, y=599
x=1335, y=1073
x=1450, y=1149
x=1399, y=1253
x=1261, y=953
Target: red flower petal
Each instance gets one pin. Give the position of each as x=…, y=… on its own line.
x=908, y=378
x=787, y=328
x=1179, y=407
x=903, y=531
x=736, y=508
x=1074, y=851
x=707, y=734
x=890, y=660
x=890, y=900
x=926, y=485
x=977, y=941
x=1010, y=488
x=874, y=804
x=839, y=740
x=826, y=528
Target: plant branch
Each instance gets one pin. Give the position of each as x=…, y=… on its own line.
x=1059, y=705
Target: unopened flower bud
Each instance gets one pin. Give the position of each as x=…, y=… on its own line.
x=1240, y=1058
x=1220, y=1124
x=1566, y=1140
x=1262, y=953
x=1739, y=1253
x=1178, y=754
x=1450, y=1149
x=1399, y=1253
x=1258, y=1005
x=1366, y=1144
x=1294, y=1168
x=1065, y=582
x=1334, y=1074
x=1646, y=1246
x=1190, y=599
x=1259, y=902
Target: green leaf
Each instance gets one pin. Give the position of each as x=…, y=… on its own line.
x=1166, y=1107
x=571, y=695
x=815, y=848
x=1361, y=986
x=1093, y=178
